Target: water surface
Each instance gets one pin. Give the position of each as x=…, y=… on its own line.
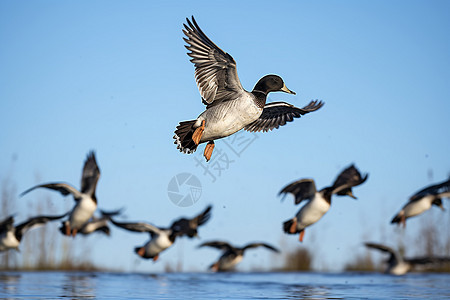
x=57, y=285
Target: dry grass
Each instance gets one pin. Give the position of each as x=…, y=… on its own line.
x=297, y=260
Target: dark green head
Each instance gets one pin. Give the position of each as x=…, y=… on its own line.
x=271, y=83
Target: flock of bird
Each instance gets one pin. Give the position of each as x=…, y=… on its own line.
x=229, y=108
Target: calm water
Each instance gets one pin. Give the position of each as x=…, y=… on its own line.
x=56, y=285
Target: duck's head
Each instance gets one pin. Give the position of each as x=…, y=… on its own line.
x=271, y=83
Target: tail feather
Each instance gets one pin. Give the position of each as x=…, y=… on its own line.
x=63, y=228
x=396, y=219
x=287, y=227
x=183, y=137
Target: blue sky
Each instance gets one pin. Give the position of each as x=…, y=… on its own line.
x=114, y=76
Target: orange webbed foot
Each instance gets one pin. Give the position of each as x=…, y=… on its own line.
x=302, y=234
x=155, y=258
x=208, y=150
x=215, y=267
x=141, y=252
x=403, y=221
x=293, y=227
x=197, y=135
x=68, y=229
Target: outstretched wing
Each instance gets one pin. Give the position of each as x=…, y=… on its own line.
x=64, y=188
x=108, y=214
x=254, y=245
x=348, y=178
x=277, y=114
x=303, y=189
x=428, y=260
x=137, y=227
x=189, y=226
x=218, y=245
x=91, y=174
x=215, y=70
x=34, y=222
x=394, y=254
x=441, y=190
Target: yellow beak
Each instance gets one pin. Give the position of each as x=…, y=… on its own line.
x=286, y=90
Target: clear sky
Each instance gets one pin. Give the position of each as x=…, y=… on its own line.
x=114, y=76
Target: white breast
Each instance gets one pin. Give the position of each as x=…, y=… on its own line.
x=158, y=244
x=399, y=268
x=8, y=241
x=226, y=264
x=82, y=212
x=312, y=211
x=225, y=119
x=417, y=207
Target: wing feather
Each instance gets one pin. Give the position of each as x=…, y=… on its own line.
x=440, y=189
x=64, y=188
x=254, y=245
x=277, y=114
x=348, y=178
x=303, y=189
x=91, y=174
x=218, y=245
x=34, y=222
x=137, y=227
x=215, y=70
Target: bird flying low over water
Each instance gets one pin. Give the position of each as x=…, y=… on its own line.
x=319, y=202
x=10, y=235
x=229, y=108
x=163, y=238
x=399, y=265
x=422, y=201
x=232, y=255
x=95, y=224
x=86, y=201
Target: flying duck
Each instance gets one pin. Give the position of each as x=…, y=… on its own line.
x=422, y=201
x=10, y=235
x=399, y=265
x=95, y=224
x=163, y=238
x=319, y=202
x=232, y=255
x=229, y=108
x=86, y=201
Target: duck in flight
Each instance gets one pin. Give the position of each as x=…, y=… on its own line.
x=399, y=265
x=162, y=238
x=11, y=236
x=85, y=199
x=422, y=201
x=229, y=108
x=232, y=255
x=95, y=224
x=319, y=202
